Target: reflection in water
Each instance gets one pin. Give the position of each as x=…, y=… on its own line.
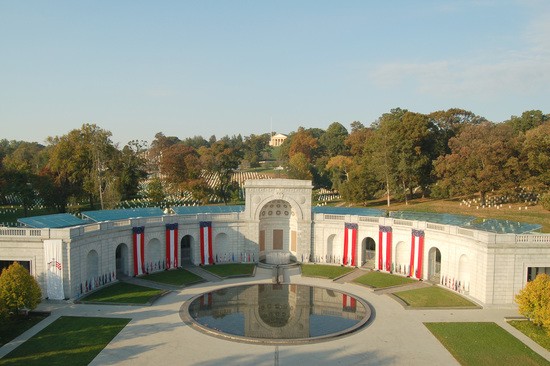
x=277, y=311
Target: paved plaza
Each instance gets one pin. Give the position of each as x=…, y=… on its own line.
x=157, y=335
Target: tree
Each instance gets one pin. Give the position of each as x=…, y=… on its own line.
x=382, y=154
x=536, y=155
x=303, y=142
x=528, y=120
x=534, y=301
x=339, y=166
x=222, y=159
x=449, y=123
x=299, y=167
x=333, y=140
x=155, y=191
x=131, y=168
x=86, y=159
x=18, y=289
x=178, y=165
x=483, y=158
x=256, y=148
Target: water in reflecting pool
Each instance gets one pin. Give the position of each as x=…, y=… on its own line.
x=270, y=311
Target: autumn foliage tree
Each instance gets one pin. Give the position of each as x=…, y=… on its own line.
x=534, y=301
x=18, y=290
x=483, y=158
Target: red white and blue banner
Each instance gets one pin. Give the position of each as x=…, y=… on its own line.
x=349, y=303
x=139, y=250
x=384, y=248
x=171, y=246
x=417, y=253
x=206, y=242
x=53, y=255
x=350, y=245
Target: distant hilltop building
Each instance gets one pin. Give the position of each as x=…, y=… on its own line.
x=277, y=140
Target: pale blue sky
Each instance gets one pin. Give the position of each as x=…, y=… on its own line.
x=226, y=67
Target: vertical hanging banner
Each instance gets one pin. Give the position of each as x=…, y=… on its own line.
x=417, y=253
x=349, y=303
x=206, y=242
x=139, y=250
x=171, y=246
x=53, y=256
x=384, y=248
x=350, y=245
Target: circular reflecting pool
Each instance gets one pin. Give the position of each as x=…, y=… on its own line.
x=276, y=313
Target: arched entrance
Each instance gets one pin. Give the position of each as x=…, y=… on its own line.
x=434, y=265
x=121, y=259
x=185, y=250
x=402, y=258
x=278, y=227
x=368, y=246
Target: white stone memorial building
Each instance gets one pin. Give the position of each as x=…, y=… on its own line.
x=71, y=256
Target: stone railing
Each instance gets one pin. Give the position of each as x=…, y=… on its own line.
x=375, y=220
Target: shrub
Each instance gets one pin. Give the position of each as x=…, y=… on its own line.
x=18, y=289
x=545, y=201
x=534, y=301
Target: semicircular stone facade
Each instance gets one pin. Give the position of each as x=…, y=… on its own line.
x=489, y=268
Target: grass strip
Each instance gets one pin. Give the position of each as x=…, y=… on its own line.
x=177, y=277
x=67, y=341
x=536, y=333
x=12, y=327
x=433, y=296
x=231, y=269
x=123, y=293
x=479, y=343
x=325, y=271
x=382, y=280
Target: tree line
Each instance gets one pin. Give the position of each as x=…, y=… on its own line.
x=442, y=154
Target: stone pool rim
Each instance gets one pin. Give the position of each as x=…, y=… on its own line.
x=189, y=320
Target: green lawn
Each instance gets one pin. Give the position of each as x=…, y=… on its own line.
x=381, y=280
x=484, y=344
x=433, y=296
x=538, y=334
x=67, y=341
x=13, y=327
x=178, y=277
x=231, y=269
x=124, y=293
x=325, y=271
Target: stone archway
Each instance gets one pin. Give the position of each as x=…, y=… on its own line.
x=368, y=249
x=296, y=233
x=186, y=250
x=277, y=227
x=121, y=259
x=434, y=265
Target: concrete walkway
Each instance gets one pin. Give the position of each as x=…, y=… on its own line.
x=358, y=272
x=207, y=276
x=408, y=286
x=157, y=335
